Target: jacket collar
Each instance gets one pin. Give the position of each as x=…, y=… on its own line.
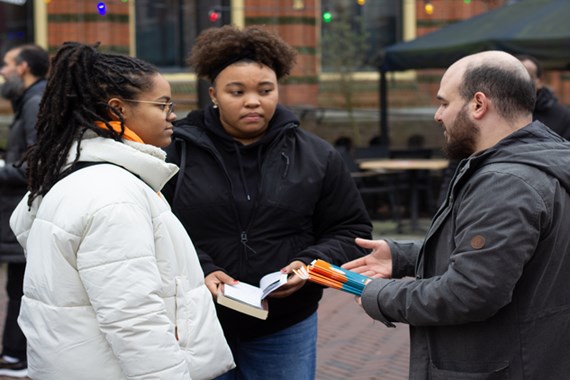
x=146, y=161
x=37, y=88
x=198, y=124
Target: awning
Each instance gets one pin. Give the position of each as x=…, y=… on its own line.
x=540, y=28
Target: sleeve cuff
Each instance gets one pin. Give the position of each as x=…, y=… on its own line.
x=370, y=300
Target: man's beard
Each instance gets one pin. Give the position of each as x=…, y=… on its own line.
x=461, y=137
x=12, y=88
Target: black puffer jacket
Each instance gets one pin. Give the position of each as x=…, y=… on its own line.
x=13, y=184
x=251, y=210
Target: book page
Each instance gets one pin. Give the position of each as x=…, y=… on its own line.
x=244, y=292
x=271, y=281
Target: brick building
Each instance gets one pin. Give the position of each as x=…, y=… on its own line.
x=162, y=33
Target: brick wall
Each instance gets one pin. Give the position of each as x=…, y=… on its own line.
x=299, y=28
x=79, y=21
x=71, y=20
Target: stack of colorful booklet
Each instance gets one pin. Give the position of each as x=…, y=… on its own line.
x=324, y=273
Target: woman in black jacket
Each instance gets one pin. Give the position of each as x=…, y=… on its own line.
x=258, y=194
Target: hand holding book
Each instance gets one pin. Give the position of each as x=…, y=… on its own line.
x=324, y=273
x=250, y=299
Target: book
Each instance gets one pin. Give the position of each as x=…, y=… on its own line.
x=326, y=274
x=250, y=299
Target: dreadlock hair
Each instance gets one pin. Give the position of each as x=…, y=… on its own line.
x=80, y=82
x=217, y=48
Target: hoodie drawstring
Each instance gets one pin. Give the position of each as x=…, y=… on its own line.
x=241, y=172
x=287, y=161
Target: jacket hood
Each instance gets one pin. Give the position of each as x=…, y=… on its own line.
x=208, y=121
x=534, y=145
x=143, y=160
x=242, y=163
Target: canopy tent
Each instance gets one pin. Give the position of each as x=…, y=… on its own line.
x=540, y=28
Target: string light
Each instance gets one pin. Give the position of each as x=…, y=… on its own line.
x=428, y=7
x=102, y=9
x=214, y=15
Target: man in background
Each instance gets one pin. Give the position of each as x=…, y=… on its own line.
x=24, y=69
x=547, y=109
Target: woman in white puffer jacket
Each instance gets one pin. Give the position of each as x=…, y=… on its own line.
x=113, y=288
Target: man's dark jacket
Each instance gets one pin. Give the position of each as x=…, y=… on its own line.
x=252, y=209
x=13, y=182
x=490, y=298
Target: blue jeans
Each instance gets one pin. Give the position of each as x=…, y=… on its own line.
x=287, y=354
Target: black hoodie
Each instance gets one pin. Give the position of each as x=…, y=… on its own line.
x=251, y=210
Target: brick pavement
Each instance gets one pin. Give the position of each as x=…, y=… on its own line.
x=351, y=345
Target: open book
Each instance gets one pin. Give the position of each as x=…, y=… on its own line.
x=249, y=299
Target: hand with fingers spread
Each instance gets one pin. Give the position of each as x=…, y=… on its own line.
x=377, y=264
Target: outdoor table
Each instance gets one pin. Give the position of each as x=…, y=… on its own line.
x=413, y=166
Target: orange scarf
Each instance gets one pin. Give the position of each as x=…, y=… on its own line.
x=116, y=125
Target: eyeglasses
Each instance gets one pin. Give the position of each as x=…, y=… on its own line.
x=168, y=106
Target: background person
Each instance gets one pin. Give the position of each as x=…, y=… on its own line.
x=258, y=194
x=113, y=288
x=24, y=70
x=547, y=109
x=489, y=297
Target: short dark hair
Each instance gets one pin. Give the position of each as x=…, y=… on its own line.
x=217, y=48
x=539, y=69
x=512, y=92
x=36, y=58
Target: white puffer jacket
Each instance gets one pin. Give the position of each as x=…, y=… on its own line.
x=112, y=278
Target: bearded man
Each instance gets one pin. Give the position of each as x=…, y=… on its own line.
x=485, y=293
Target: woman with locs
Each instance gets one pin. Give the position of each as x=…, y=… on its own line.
x=113, y=288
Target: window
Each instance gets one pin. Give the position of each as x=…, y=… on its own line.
x=165, y=31
x=364, y=29
x=16, y=24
